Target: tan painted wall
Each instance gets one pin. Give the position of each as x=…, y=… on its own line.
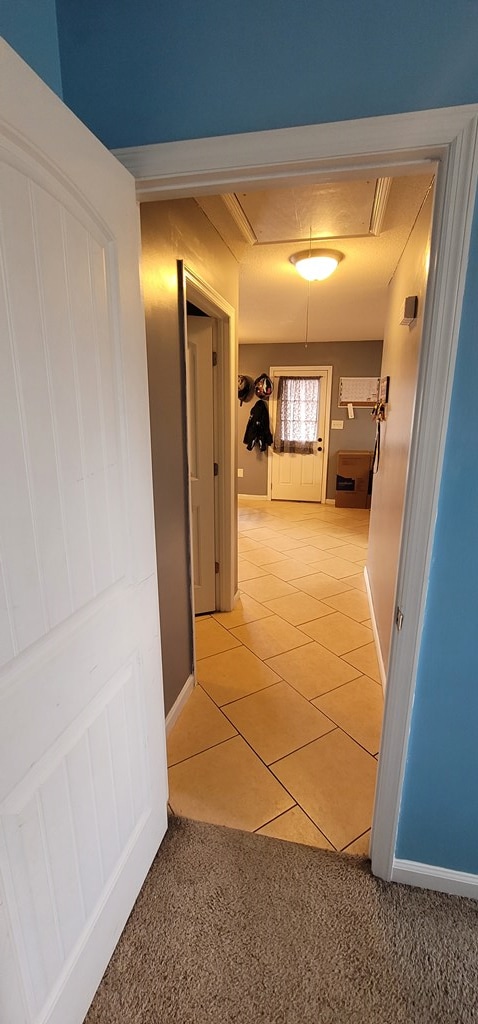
x=401, y=350
x=174, y=231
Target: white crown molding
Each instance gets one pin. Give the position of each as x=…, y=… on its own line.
x=380, y=200
x=226, y=216
x=234, y=207
x=428, y=876
x=398, y=142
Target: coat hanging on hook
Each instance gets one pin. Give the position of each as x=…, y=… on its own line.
x=258, y=428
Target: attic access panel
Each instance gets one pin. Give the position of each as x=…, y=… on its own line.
x=342, y=209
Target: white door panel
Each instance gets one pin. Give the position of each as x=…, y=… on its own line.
x=201, y=460
x=295, y=477
x=83, y=785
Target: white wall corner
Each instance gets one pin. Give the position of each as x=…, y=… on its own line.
x=429, y=876
x=179, y=703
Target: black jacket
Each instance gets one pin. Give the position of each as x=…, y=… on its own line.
x=258, y=430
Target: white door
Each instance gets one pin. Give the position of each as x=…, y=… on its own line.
x=83, y=784
x=295, y=476
x=201, y=459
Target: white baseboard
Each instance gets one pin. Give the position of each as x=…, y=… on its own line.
x=381, y=665
x=255, y=497
x=428, y=876
x=265, y=497
x=179, y=703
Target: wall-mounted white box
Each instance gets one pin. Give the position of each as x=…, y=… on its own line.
x=337, y=425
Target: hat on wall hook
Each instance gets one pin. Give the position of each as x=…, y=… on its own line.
x=263, y=386
x=244, y=387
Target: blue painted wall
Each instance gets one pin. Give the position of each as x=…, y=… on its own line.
x=155, y=71
x=30, y=26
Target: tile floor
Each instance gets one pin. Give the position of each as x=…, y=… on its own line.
x=282, y=733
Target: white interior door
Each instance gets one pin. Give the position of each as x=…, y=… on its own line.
x=201, y=459
x=296, y=477
x=83, y=785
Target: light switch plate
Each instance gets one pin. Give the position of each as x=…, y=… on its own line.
x=337, y=425
x=240, y=472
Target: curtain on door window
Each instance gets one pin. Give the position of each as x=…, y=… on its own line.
x=297, y=415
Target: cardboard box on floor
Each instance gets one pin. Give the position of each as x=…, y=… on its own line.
x=353, y=482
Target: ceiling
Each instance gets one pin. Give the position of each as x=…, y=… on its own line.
x=369, y=221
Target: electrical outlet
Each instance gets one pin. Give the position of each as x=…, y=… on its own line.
x=240, y=472
x=337, y=425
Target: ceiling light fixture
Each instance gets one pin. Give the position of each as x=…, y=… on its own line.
x=316, y=264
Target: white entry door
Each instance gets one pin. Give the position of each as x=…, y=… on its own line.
x=295, y=476
x=83, y=785
x=201, y=459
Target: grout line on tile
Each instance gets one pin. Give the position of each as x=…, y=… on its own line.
x=281, y=815
x=254, y=692
x=288, y=651
x=317, y=827
x=352, y=841
x=340, y=727
x=332, y=688
x=203, y=751
x=304, y=745
x=324, y=692
x=360, y=646
x=276, y=816
x=274, y=776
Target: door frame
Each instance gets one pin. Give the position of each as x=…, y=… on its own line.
x=388, y=145
x=202, y=295
x=303, y=371
x=209, y=326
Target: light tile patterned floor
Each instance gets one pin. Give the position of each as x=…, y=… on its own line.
x=282, y=733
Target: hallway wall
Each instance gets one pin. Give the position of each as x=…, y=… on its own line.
x=174, y=231
x=401, y=349
x=348, y=359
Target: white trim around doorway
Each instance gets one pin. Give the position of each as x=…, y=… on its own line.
x=225, y=413
x=390, y=145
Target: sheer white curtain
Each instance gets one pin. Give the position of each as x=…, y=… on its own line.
x=297, y=415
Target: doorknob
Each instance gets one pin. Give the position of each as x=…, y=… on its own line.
x=319, y=439
x=319, y=448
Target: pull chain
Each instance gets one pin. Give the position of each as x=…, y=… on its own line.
x=307, y=316
x=306, y=342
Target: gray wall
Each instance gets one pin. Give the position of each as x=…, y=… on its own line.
x=401, y=349
x=348, y=359
x=174, y=231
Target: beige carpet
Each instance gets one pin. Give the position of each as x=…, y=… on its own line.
x=231, y=926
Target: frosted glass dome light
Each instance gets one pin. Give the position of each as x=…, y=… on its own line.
x=316, y=264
